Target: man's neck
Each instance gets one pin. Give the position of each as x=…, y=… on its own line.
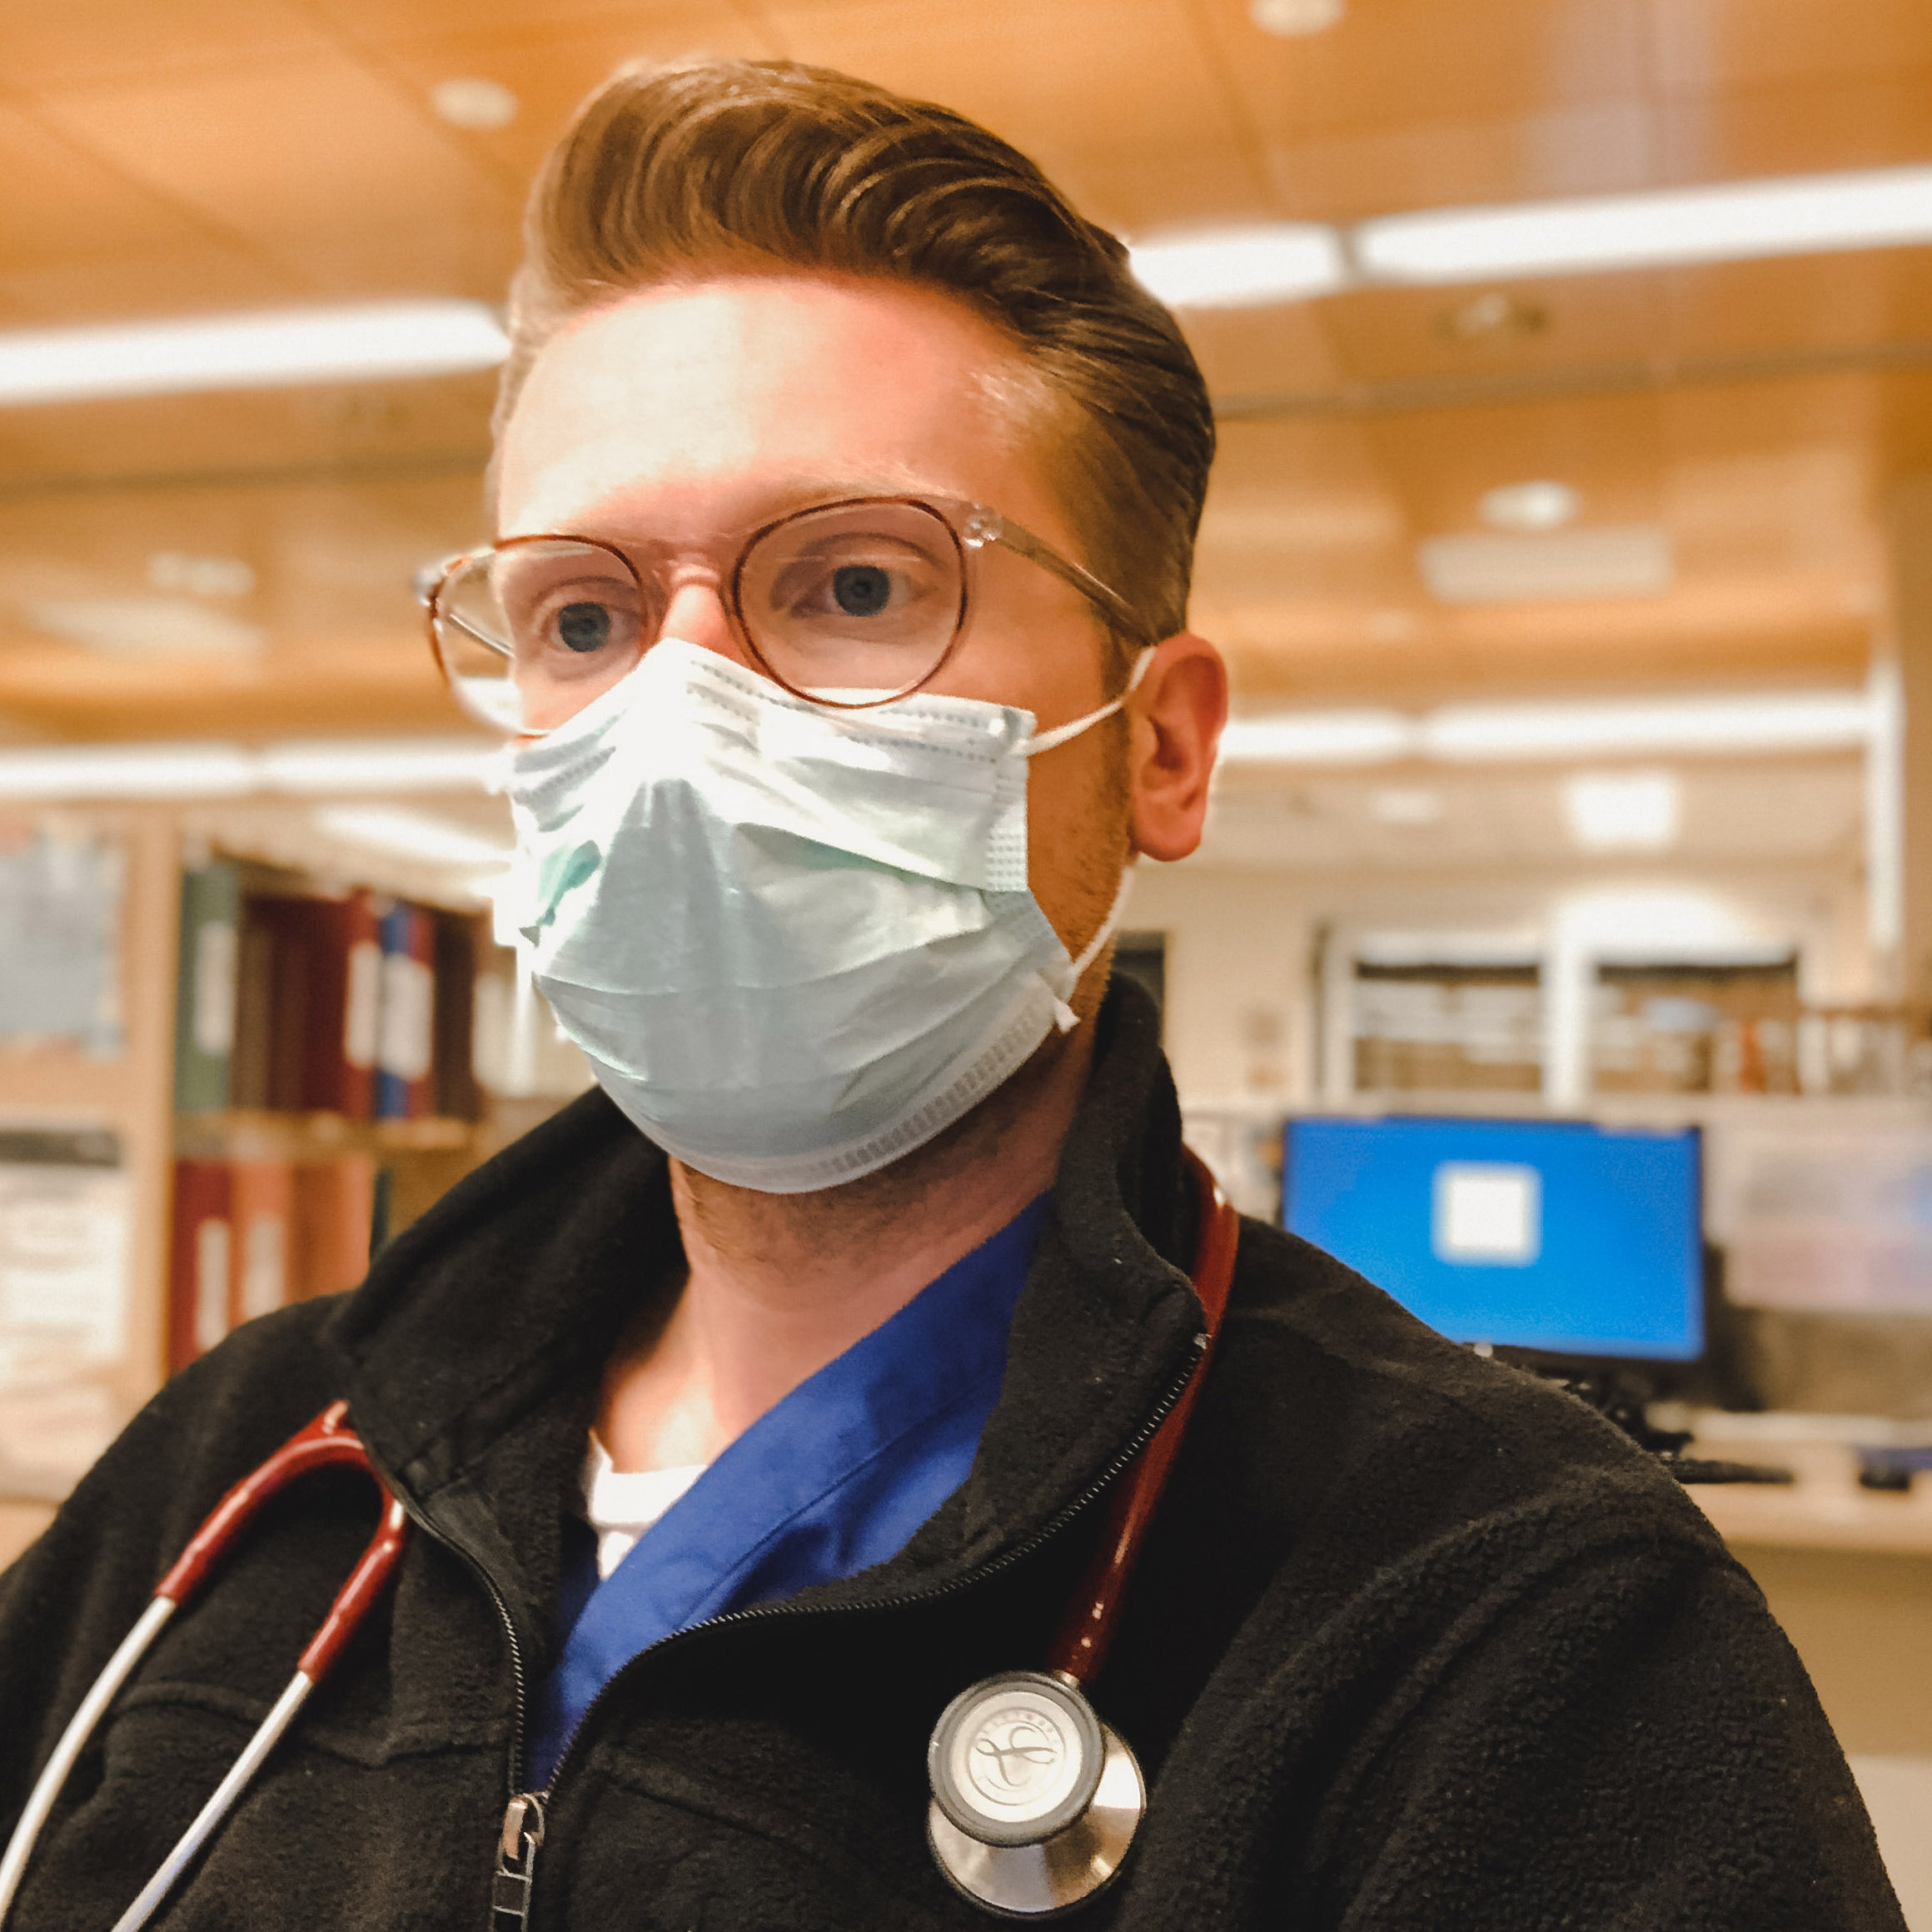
x=781, y=1284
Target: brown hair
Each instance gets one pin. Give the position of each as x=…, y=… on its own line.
x=768, y=163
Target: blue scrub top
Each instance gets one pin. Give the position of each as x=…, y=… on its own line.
x=834, y=1479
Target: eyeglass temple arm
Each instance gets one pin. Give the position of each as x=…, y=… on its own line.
x=1109, y=602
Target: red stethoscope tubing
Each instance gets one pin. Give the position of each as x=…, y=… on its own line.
x=1079, y=1646
x=327, y=1442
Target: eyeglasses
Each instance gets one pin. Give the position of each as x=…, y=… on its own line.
x=848, y=605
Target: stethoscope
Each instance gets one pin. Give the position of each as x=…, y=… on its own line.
x=1034, y=1801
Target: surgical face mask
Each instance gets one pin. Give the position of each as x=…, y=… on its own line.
x=794, y=942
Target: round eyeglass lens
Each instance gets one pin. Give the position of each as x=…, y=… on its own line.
x=856, y=601
x=529, y=632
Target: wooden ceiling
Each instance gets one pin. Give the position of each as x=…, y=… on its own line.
x=224, y=154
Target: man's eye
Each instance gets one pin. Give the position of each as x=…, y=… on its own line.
x=861, y=589
x=583, y=627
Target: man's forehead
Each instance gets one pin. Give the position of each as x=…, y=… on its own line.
x=753, y=388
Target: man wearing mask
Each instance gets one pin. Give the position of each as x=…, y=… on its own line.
x=773, y=1395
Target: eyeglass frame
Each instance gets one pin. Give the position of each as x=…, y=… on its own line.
x=977, y=526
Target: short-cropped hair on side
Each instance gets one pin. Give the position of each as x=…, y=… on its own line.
x=731, y=165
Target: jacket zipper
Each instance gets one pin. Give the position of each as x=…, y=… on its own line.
x=523, y=1819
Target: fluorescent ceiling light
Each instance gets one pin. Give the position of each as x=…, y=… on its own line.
x=127, y=771
x=1800, y=215
x=1541, y=504
x=1555, y=566
x=1767, y=721
x=465, y=100
x=380, y=765
x=1291, y=18
x=411, y=834
x=1272, y=261
x=364, y=342
x=1770, y=721
x=1405, y=805
x=201, y=577
x=1632, y=811
x=219, y=770
x=146, y=627
x=1318, y=738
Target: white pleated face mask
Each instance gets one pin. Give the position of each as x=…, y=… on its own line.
x=795, y=943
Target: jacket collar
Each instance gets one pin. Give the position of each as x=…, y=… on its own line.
x=470, y=1355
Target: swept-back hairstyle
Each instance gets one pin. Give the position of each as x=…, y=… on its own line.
x=750, y=165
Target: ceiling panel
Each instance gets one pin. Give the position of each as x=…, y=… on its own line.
x=70, y=41
x=1799, y=127
x=201, y=277
x=1702, y=45
x=1577, y=322
x=1802, y=306
x=1591, y=148
x=374, y=23
x=1400, y=63
x=284, y=151
x=551, y=66
x=1089, y=78
x=1605, y=448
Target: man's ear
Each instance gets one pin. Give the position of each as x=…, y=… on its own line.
x=1177, y=713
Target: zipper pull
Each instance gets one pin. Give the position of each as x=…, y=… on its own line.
x=523, y=1831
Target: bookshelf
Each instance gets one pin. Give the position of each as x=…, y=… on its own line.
x=379, y=1077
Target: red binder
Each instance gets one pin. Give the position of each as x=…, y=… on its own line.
x=201, y=1260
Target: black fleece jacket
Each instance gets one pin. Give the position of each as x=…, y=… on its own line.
x=1416, y=1644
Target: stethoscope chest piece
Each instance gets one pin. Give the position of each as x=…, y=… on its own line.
x=1035, y=1799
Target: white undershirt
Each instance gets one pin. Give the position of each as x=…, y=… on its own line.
x=620, y=1504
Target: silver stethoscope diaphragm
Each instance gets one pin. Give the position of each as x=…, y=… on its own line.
x=1035, y=1801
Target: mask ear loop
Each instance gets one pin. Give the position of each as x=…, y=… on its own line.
x=1064, y=1017
x=1061, y=734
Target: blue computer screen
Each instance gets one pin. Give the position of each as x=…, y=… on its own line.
x=1552, y=1235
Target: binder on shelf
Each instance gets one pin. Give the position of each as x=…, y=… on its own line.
x=405, y=1052
x=261, y=1214
x=333, y=1216
x=249, y=1079
x=201, y=1260
x=205, y=986
x=454, y=1092
x=323, y=964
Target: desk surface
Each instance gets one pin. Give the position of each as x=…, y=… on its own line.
x=1826, y=1507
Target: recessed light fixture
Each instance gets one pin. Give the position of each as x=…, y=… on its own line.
x=1493, y=315
x=1542, y=504
x=135, y=627
x=1729, y=220
x=366, y=340
x=1291, y=18
x=468, y=101
x=200, y=576
x=1550, y=566
x=1630, y=811
x=1405, y=805
x=1271, y=262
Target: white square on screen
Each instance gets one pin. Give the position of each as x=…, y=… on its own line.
x=1488, y=1211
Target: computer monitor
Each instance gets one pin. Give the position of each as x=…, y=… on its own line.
x=1563, y=1238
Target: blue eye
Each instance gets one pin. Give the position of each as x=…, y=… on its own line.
x=861, y=589
x=583, y=627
